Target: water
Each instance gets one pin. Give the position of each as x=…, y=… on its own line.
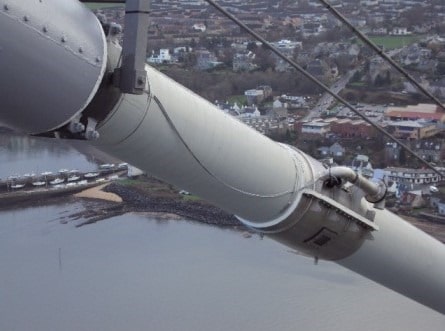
x=21, y=155
x=135, y=273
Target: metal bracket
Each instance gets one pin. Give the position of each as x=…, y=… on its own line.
x=132, y=74
x=342, y=210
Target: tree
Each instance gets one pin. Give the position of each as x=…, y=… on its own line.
x=252, y=46
x=264, y=59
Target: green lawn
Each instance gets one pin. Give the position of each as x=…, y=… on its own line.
x=239, y=99
x=390, y=42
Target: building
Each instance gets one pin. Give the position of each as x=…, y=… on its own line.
x=206, y=60
x=315, y=128
x=161, y=58
x=362, y=166
x=411, y=177
x=254, y=96
x=427, y=112
x=244, y=61
x=336, y=151
x=347, y=128
x=413, y=130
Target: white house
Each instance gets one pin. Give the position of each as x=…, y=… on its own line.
x=163, y=57
x=400, y=32
x=199, y=27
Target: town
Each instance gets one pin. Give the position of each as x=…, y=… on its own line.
x=192, y=43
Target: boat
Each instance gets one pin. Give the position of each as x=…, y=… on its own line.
x=91, y=174
x=63, y=171
x=17, y=186
x=39, y=183
x=106, y=166
x=46, y=173
x=73, y=178
x=56, y=181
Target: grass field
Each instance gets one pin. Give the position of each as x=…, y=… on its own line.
x=391, y=42
x=239, y=99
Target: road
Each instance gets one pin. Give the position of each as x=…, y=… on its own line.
x=326, y=99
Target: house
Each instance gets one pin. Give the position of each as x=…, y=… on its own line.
x=243, y=61
x=411, y=177
x=337, y=150
x=362, y=165
x=379, y=31
x=163, y=57
x=278, y=113
x=254, y=96
x=206, y=60
x=399, y=31
x=293, y=101
x=201, y=27
x=249, y=112
x=311, y=29
x=258, y=95
x=286, y=47
x=431, y=151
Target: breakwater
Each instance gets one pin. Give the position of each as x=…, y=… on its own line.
x=133, y=200
x=196, y=210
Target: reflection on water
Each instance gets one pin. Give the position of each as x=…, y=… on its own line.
x=21, y=154
x=134, y=273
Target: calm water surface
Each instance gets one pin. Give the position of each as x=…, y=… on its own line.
x=135, y=273
x=21, y=155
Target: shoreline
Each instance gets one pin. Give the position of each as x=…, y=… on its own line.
x=163, y=202
x=143, y=201
x=114, y=199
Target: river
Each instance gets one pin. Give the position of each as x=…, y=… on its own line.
x=133, y=272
